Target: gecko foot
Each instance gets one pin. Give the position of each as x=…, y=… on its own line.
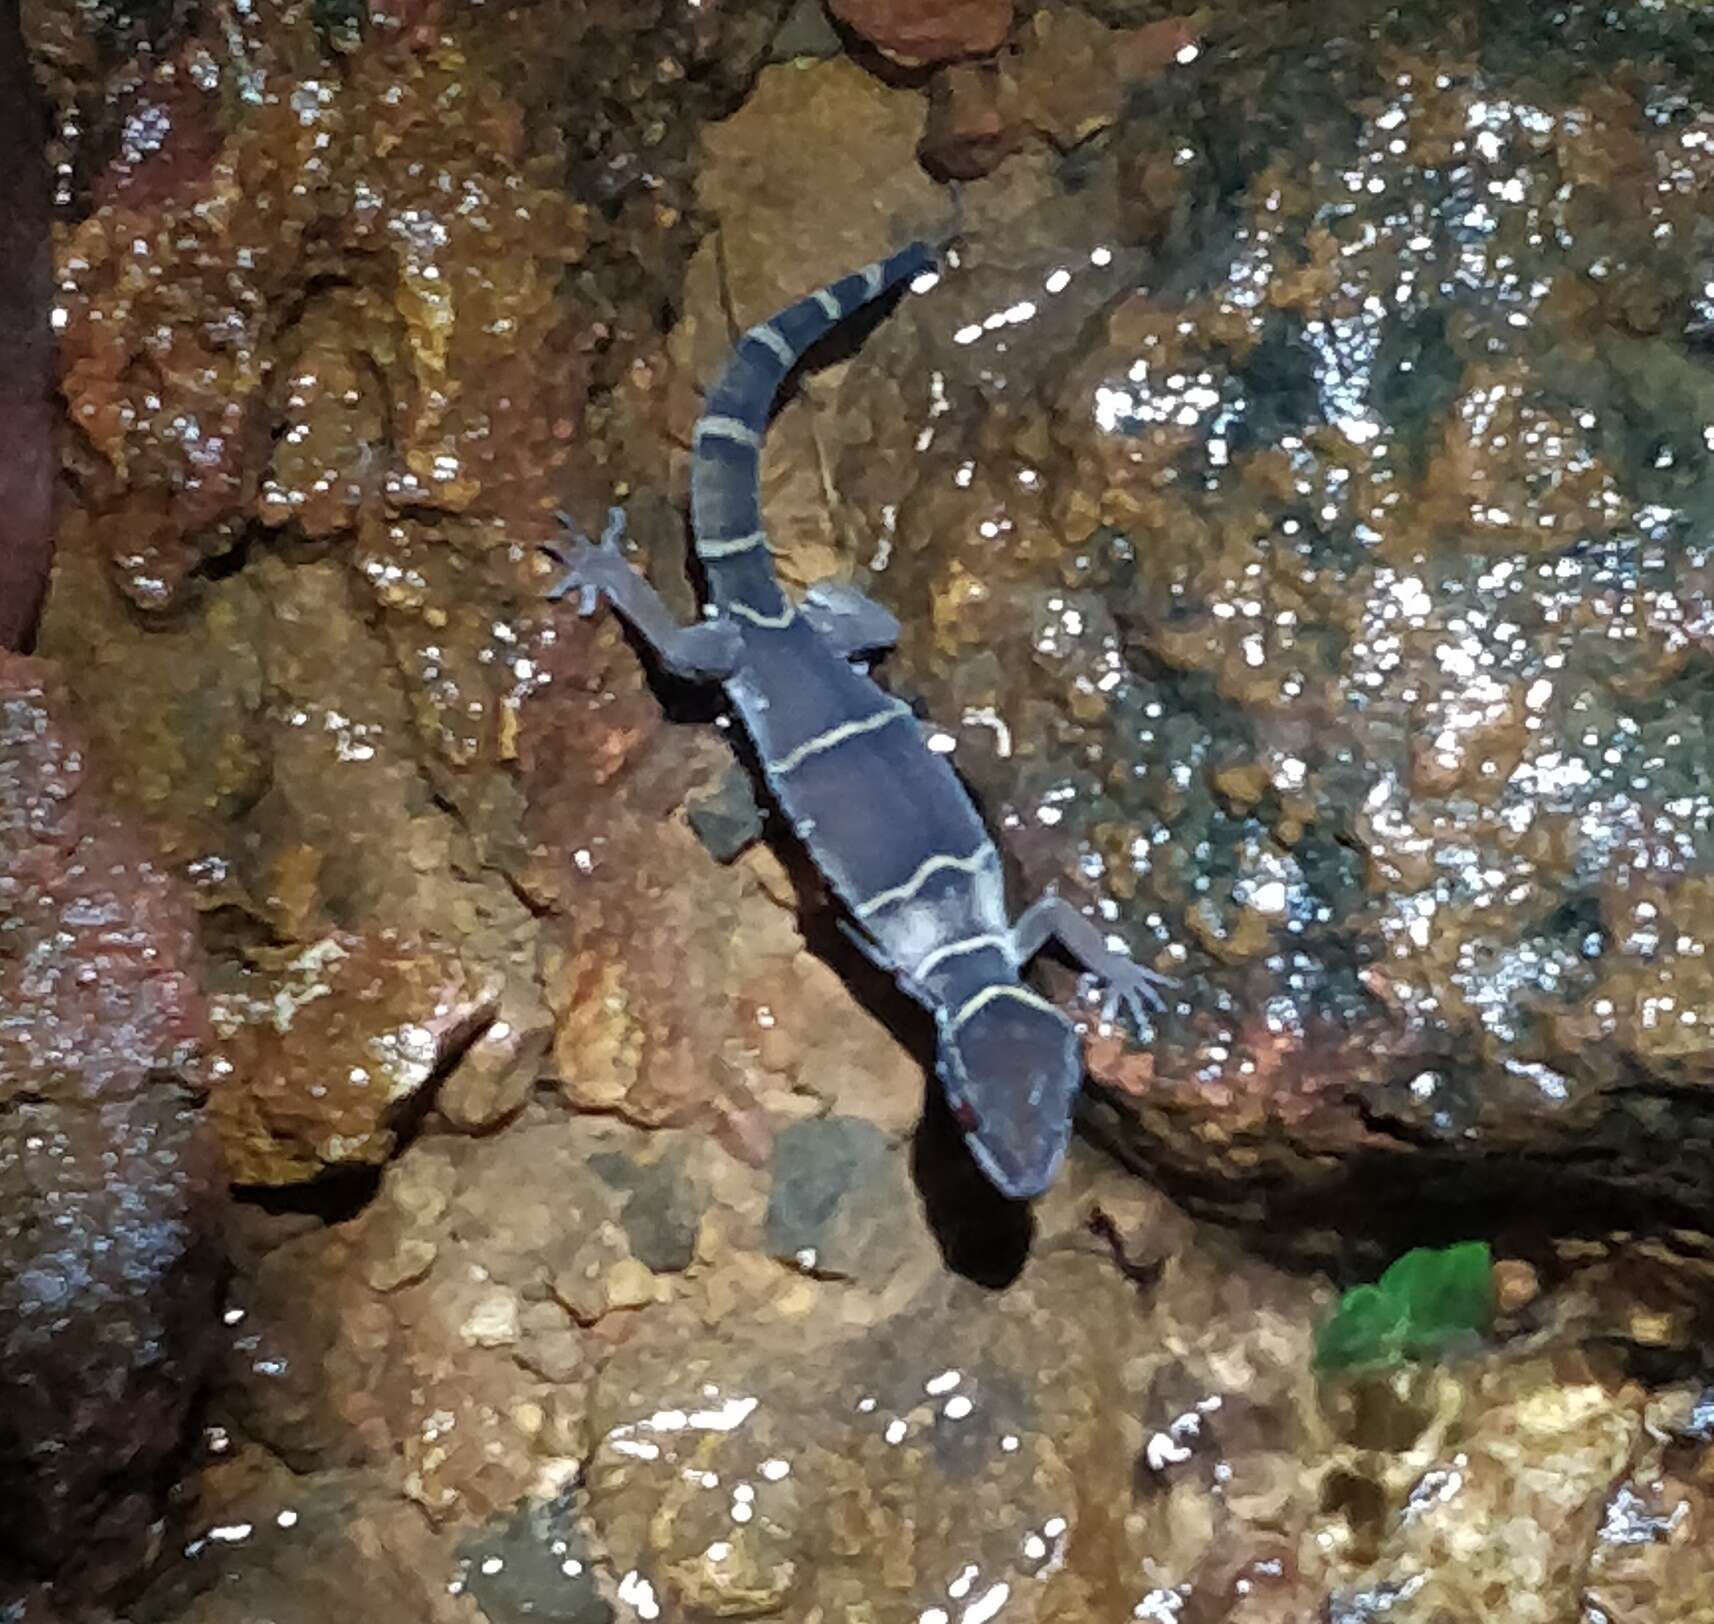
x=1128, y=982
x=1135, y=986
x=589, y=568
x=710, y=650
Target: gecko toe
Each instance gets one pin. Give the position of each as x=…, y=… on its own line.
x=1145, y=990
x=563, y=577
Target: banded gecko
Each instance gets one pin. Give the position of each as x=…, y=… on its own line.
x=883, y=817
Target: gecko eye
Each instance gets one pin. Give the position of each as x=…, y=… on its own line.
x=1011, y=1070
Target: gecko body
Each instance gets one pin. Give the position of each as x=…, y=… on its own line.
x=885, y=819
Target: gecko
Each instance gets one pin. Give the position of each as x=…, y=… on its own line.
x=885, y=819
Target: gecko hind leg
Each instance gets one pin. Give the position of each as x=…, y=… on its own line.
x=710, y=650
x=850, y=622
x=1128, y=982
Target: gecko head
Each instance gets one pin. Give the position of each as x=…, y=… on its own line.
x=1011, y=1067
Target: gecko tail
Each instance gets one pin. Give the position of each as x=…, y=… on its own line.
x=728, y=438
x=768, y=351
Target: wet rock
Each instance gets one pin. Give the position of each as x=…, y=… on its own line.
x=493, y=1078
x=917, y=1428
x=662, y=1208
x=906, y=1440
x=1204, y=637
x=407, y=1263
x=909, y=1441
x=1437, y=1559
x=273, y=1545
x=533, y=1565
x=644, y=989
x=179, y=715
x=806, y=31
x=443, y=1338
x=304, y=1337
x=270, y=739
x=971, y=127
x=550, y=1299
x=1063, y=78
x=597, y=1275
x=1647, y=1549
x=728, y=818
x=838, y=1204
x=347, y=831
x=331, y=403
x=325, y=1052
x=549, y=1345
x=656, y=1018
x=110, y=1185
x=767, y=196
x=408, y=381
x=868, y=1064
x=929, y=30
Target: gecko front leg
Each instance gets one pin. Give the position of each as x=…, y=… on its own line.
x=708, y=651
x=1127, y=981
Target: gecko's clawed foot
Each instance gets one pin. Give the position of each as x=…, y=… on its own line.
x=587, y=567
x=1138, y=989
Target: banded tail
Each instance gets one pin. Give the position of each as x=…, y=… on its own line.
x=725, y=495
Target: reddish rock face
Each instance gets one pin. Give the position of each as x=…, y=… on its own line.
x=916, y=32
x=109, y=1183
x=27, y=409
x=970, y=129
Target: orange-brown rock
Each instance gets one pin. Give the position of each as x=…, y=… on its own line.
x=915, y=32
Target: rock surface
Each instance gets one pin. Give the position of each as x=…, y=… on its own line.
x=1269, y=560
x=332, y=1051
x=1208, y=483
x=1063, y=79
x=110, y=1184
x=593, y=1438
x=28, y=412
x=916, y=32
